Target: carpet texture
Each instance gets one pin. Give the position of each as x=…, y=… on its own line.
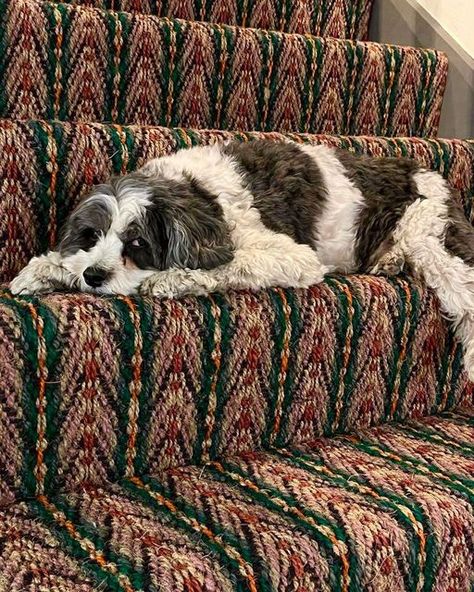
x=317, y=440
x=346, y=19
x=390, y=509
x=93, y=389
x=83, y=64
x=66, y=159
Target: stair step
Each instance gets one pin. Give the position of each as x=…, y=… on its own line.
x=345, y=19
x=84, y=64
x=385, y=509
x=106, y=387
x=73, y=332
x=120, y=368
x=47, y=166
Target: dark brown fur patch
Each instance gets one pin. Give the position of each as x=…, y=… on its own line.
x=459, y=239
x=388, y=187
x=185, y=226
x=286, y=184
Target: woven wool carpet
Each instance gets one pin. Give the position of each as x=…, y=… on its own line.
x=112, y=410
x=347, y=19
x=120, y=386
x=385, y=509
x=90, y=65
x=284, y=440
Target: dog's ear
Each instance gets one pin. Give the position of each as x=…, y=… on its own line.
x=197, y=241
x=197, y=235
x=89, y=218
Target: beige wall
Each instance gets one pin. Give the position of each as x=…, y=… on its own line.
x=407, y=22
x=456, y=17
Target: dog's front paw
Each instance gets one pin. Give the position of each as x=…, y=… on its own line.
x=174, y=283
x=27, y=283
x=40, y=276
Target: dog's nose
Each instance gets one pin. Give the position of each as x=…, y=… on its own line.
x=95, y=276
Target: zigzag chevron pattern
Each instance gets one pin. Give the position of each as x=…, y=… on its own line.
x=345, y=19
x=181, y=445
x=46, y=167
x=384, y=509
x=93, y=389
x=91, y=65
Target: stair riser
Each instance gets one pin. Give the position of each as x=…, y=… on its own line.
x=91, y=65
x=94, y=389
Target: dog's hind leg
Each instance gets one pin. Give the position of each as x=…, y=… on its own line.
x=425, y=236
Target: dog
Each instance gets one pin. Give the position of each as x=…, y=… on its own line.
x=264, y=214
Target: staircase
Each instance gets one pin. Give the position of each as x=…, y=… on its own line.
x=286, y=440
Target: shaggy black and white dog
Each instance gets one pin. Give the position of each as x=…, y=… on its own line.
x=264, y=214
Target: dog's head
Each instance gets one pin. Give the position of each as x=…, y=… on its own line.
x=125, y=230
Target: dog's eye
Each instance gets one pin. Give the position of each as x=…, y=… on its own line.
x=138, y=243
x=89, y=234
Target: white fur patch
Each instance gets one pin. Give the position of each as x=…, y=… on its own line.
x=420, y=236
x=335, y=230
